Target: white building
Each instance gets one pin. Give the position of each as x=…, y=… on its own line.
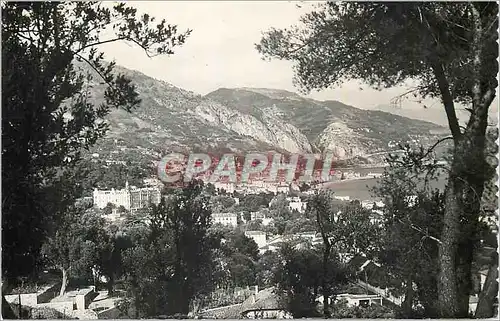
x=258, y=236
x=363, y=300
x=295, y=203
x=153, y=182
x=266, y=221
x=374, y=175
x=257, y=216
x=367, y=204
x=131, y=197
x=227, y=219
x=283, y=189
x=228, y=187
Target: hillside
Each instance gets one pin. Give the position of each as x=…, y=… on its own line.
x=246, y=120
x=332, y=125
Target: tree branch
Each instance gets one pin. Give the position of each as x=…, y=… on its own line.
x=444, y=86
x=418, y=229
x=477, y=52
x=99, y=43
x=449, y=106
x=435, y=145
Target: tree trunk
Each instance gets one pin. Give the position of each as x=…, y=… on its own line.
x=110, y=284
x=325, y=285
x=64, y=283
x=460, y=222
x=489, y=291
x=408, y=302
x=447, y=286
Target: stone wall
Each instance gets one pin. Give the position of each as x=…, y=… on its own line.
x=48, y=293
x=29, y=299
x=111, y=313
x=84, y=298
x=226, y=312
x=65, y=307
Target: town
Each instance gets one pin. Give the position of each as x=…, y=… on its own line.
x=249, y=160
x=267, y=215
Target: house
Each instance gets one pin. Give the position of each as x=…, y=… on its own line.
x=257, y=216
x=272, y=245
x=259, y=237
x=282, y=189
x=295, y=203
x=227, y=187
x=226, y=219
x=131, y=197
x=367, y=204
x=362, y=300
x=264, y=305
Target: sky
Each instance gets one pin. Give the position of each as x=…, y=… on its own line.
x=220, y=52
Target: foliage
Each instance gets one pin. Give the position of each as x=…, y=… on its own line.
x=450, y=51
x=279, y=208
x=301, y=278
x=254, y=202
x=413, y=218
x=222, y=203
x=104, y=176
x=240, y=256
x=110, y=261
x=341, y=310
x=75, y=245
x=266, y=269
x=175, y=263
x=47, y=116
x=394, y=42
x=345, y=226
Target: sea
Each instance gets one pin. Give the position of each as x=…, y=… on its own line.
x=361, y=188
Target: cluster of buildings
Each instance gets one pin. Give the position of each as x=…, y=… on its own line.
x=131, y=197
x=254, y=187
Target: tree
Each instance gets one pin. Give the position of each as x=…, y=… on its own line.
x=108, y=209
x=221, y=203
x=110, y=261
x=343, y=228
x=247, y=216
x=298, y=280
x=301, y=278
x=413, y=218
x=450, y=50
x=267, y=266
x=48, y=116
x=74, y=247
x=239, y=242
x=279, y=207
x=304, y=187
x=241, y=253
x=255, y=225
x=174, y=265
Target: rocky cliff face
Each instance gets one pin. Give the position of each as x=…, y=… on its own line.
x=329, y=126
x=246, y=119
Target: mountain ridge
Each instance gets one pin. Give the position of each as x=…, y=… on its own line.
x=246, y=119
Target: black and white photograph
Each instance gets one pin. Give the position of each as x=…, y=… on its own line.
x=249, y=160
